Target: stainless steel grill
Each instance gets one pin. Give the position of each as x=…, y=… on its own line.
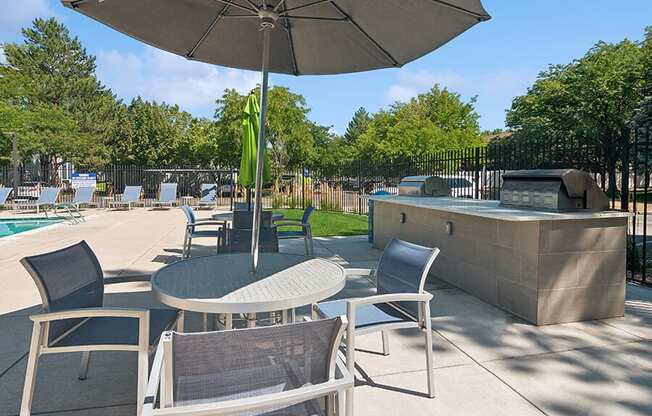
x=552, y=189
x=424, y=186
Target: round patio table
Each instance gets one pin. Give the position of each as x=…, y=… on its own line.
x=228, y=216
x=225, y=284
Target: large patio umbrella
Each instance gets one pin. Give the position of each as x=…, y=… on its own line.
x=247, y=174
x=303, y=36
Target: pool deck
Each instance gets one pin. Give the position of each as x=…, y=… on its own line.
x=487, y=362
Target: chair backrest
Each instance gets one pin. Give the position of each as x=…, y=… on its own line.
x=306, y=214
x=208, y=192
x=4, y=194
x=68, y=278
x=242, y=206
x=269, y=359
x=190, y=213
x=48, y=195
x=245, y=219
x=168, y=192
x=403, y=268
x=131, y=193
x=238, y=240
x=83, y=195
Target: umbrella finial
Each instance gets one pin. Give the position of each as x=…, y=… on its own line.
x=268, y=18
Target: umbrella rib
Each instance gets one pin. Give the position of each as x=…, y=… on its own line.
x=314, y=3
x=479, y=16
x=286, y=25
x=326, y=19
x=353, y=23
x=210, y=28
x=239, y=6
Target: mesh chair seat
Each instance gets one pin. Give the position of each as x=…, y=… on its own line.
x=119, y=331
x=365, y=315
x=205, y=233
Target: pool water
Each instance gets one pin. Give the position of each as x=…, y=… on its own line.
x=14, y=226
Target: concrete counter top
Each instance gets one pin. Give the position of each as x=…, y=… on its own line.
x=492, y=209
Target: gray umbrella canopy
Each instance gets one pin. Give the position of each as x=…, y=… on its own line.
x=311, y=36
x=289, y=37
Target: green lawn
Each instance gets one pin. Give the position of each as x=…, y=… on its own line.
x=327, y=224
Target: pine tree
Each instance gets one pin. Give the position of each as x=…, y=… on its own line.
x=357, y=126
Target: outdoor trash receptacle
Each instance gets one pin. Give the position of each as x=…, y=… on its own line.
x=370, y=214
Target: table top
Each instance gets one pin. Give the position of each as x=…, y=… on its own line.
x=225, y=283
x=228, y=216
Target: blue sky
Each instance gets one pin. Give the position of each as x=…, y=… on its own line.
x=496, y=60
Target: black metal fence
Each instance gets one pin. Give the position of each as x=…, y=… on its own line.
x=624, y=174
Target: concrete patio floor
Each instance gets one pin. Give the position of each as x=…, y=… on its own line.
x=487, y=362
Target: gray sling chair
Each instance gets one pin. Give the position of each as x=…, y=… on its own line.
x=208, y=195
x=167, y=195
x=192, y=230
x=400, y=302
x=130, y=196
x=83, y=196
x=274, y=370
x=71, y=284
x=301, y=227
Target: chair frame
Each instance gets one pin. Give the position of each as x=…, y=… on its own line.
x=40, y=345
x=127, y=204
x=158, y=203
x=200, y=204
x=72, y=208
x=28, y=206
x=305, y=228
x=422, y=321
x=190, y=229
x=335, y=389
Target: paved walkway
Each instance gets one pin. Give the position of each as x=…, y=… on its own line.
x=487, y=362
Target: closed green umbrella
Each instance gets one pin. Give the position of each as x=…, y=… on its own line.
x=247, y=175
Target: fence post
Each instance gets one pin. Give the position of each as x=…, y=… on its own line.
x=624, y=179
x=359, y=187
x=477, y=173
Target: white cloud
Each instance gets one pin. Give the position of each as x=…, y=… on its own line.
x=412, y=83
x=18, y=14
x=162, y=76
x=506, y=81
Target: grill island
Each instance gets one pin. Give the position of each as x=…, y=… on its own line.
x=548, y=252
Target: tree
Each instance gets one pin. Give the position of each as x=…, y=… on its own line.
x=589, y=101
x=357, y=126
x=434, y=121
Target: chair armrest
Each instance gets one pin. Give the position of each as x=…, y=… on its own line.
x=209, y=222
x=237, y=406
x=91, y=313
x=360, y=272
x=392, y=297
x=154, y=378
x=287, y=222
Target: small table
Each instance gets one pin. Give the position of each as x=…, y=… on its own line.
x=225, y=284
x=228, y=216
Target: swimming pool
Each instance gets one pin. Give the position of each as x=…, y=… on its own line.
x=20, y=225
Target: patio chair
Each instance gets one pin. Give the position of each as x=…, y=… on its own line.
x=243, y=206
x=130, y=196
x=4, y=194
x=245, y=219
x=400, y=302
x=71, y=284
x=83, y=196
x=47, y=199
x=167, y=195
x=305, y=231
x=275, y=370
x=192, y=230
x=238, y=240
x=208, y=195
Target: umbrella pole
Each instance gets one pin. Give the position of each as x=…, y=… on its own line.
x=260, y=149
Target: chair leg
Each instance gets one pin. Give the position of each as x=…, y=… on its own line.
x=350, y=353
x=143, y=362
x=85, y=360
x=385, y=336
x=32, y=367
x=181, y=321
x=188, y=247
x=429, y=359
x=341, y=403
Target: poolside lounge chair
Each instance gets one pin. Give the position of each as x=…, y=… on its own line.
x=167, y=195
x=130, y=196
x=192, y=230
x=4, y=194
x=74, y=318
x=83, y=196
x=208, y=195
x=304, y=232
x=279, y=370
x=400, y=302
x=47, y=199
